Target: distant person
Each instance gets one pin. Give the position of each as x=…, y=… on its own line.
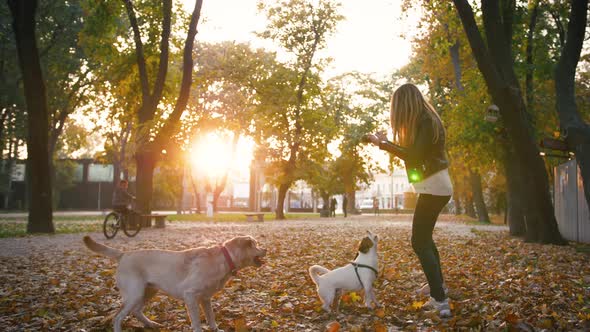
x=419, y=140
x=333, y=204
x=376, y=206
x=344, y=204
x=122, y=199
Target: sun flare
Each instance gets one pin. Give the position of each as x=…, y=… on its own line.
x=211, y=155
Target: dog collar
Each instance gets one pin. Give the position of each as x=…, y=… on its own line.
x=230, y=262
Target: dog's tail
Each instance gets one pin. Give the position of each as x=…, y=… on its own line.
x=316, y=271
x=102, y=249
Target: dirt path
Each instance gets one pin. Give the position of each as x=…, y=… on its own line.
x=55, y=243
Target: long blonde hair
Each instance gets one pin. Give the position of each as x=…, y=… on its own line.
x=407, y=108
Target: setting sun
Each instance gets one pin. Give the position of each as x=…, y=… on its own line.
x=211, y=155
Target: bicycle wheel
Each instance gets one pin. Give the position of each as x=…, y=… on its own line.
x=131, y=225
x=111, y=225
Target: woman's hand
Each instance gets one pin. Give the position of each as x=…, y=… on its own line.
x=377, y=137
x=381, y=135
x=373, y=139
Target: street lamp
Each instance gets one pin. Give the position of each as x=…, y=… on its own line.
x=492, y=113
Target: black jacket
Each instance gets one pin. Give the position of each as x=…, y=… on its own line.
x=121, y=197
x=424, y=157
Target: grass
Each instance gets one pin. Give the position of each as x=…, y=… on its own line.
x=17, y=226
x=495, y=220
x=97, y=218
x=232, y=217
x=12, y=228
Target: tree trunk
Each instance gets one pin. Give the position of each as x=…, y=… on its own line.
x=575, y=130
x=122, y=155
x=529, y=57
x=478, y=199
x=196, y=193
x=502, y=85
x=217, y=190
x=283, y=188
x=54, y=190
x=456, y=60
x=351, y=202
x=8, y=166
x=8, y=163
x=220, y=187
x=474, y=177
x=514, y=195
x=116, y=174
x=469, y=210
x=298, y=124
x=458, y=207
x=325, y=201
x=4, y=119
x=540, y=217
x=180, y=199
x=253, y=187
x=349, y=190
x=148, y=151
x=146, y=163
x=40, y=198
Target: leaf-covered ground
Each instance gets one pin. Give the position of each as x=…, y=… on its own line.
x=497, y=282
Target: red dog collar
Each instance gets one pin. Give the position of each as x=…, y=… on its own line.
x=232, y=266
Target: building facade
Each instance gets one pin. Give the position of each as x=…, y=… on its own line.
x=387, y=189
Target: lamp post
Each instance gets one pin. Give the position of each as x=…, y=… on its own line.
x=492, y=113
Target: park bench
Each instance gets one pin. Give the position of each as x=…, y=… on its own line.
x=250, y=216
x=160, y=220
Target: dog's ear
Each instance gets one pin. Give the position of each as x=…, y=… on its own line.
x=365, y=245
x=246, y=242
x=251, y=242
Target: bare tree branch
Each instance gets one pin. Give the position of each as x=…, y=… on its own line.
x=187, y=70
x=143, y=77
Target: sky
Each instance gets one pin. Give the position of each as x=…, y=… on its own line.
x=369, y=39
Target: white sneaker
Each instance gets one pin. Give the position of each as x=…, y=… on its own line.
x=424, y=290
x=443, y=308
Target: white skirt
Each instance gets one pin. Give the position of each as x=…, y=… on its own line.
x=438, y=184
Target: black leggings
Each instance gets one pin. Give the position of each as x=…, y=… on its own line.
x=427, y=210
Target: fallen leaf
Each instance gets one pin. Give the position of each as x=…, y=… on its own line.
x=240, y=325
x=379, y=327
x=333, y=327
x=416, y=305
x=380, y=313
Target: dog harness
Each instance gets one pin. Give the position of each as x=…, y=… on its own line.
x=232, y=266
x=356, y=270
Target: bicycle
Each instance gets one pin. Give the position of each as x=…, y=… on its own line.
x=117, y=220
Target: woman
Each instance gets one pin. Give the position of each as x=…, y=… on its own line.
x=419, y=140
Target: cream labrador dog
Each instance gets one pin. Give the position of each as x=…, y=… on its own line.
x=357, y=275
x=192, y=275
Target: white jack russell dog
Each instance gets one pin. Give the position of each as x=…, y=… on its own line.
x=357, y=275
